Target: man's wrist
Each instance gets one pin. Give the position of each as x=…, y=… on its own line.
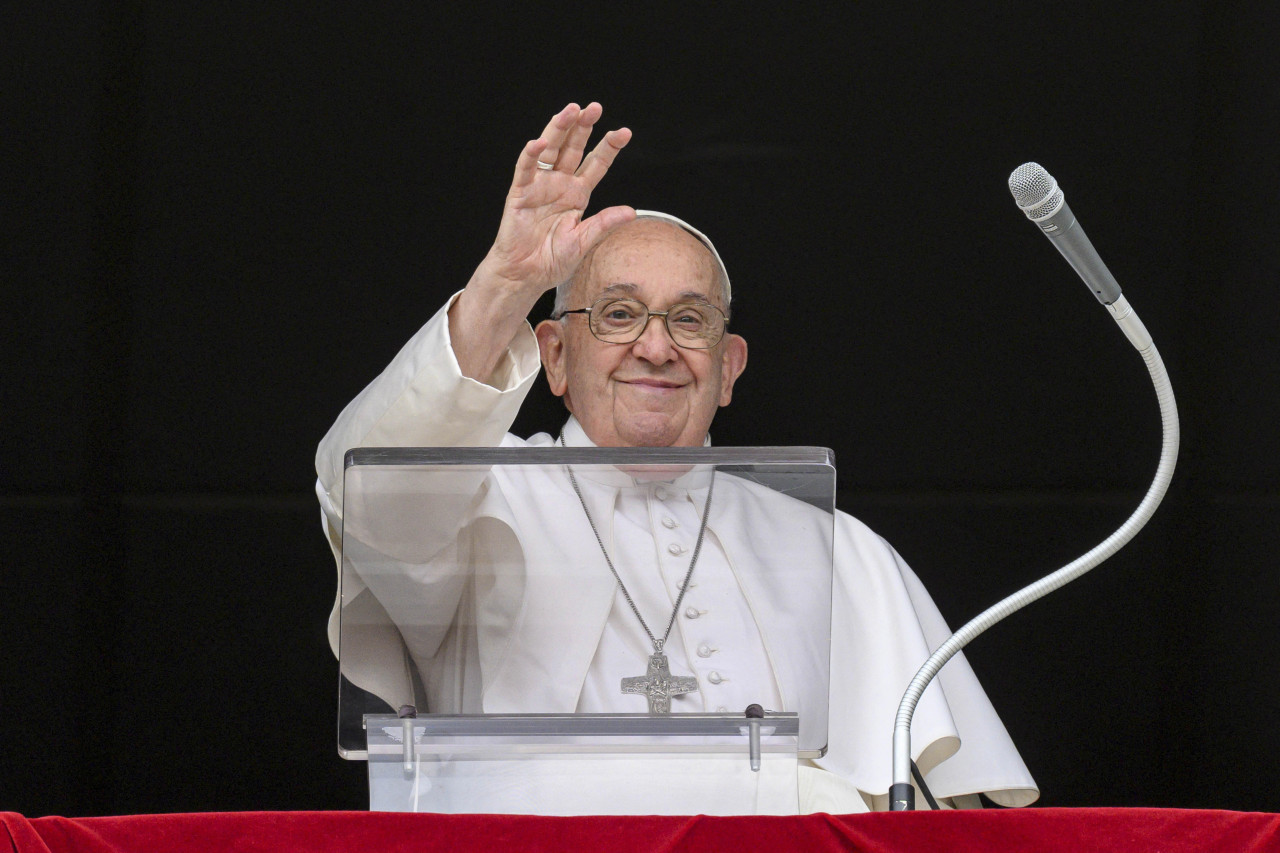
x=482, y=327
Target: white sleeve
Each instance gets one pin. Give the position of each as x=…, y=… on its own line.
x=422, y=399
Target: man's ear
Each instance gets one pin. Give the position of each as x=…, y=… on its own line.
x=734, y=361
x=550, y=334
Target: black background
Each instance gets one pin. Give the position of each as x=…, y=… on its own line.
x=224, y=221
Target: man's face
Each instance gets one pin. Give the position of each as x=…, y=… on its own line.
x=648, y=393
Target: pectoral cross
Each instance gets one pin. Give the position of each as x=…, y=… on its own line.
x=658, y=685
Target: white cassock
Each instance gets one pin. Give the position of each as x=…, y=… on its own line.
x=732, y=628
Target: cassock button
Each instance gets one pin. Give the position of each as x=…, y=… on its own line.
x=705, y=651
x=715, y=677
x=692, y=612
x=674, y=549
x=722, y=710
x=670, y=523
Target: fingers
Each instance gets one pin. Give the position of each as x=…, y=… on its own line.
x=561, y=144
x=602, y=157
x=527, y=164
x=557, y=132
x=546, y=148
x=570, y=155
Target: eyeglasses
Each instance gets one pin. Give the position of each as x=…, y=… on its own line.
x=692, y=325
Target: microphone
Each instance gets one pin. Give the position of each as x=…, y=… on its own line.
x=1040, y=198
x=1037, y=193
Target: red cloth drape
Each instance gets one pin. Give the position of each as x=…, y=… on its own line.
x=284, y=832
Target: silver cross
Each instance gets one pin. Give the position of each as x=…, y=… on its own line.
x=658, y=685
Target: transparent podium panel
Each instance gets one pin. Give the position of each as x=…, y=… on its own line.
x=539, y=621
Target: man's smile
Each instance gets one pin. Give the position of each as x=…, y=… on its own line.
x=652, y=383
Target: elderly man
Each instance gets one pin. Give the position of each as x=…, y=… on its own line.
x=641, y=355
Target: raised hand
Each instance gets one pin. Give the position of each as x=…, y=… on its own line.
x=543, y=235
x=542, y=238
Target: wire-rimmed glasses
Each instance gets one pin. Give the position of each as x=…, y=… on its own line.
x=692, y=325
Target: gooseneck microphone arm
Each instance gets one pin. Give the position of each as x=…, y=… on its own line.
x=1039, y=197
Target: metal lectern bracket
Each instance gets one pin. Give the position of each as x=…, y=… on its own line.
x=407, y=714
x=754, y=713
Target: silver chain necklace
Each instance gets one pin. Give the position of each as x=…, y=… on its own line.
x=657, y=685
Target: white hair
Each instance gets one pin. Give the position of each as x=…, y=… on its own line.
x=562, y=289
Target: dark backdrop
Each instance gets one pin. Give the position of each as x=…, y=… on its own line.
x=225, y=220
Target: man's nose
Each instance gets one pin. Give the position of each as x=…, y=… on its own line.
x=655, y=343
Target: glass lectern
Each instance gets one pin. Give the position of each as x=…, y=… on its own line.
x=494, y=600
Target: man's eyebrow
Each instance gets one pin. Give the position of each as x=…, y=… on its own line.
x=628, y=287
x=620, y=287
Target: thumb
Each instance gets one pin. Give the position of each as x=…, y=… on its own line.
x=594, y=229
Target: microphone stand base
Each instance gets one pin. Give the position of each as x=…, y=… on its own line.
x=902, y=797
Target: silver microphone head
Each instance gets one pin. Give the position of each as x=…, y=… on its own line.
x=1035, y=191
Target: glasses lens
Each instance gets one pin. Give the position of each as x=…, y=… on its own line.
x=695, y=325
x=617, y=319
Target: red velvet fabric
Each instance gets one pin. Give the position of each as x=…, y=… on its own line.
x=284, y=832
